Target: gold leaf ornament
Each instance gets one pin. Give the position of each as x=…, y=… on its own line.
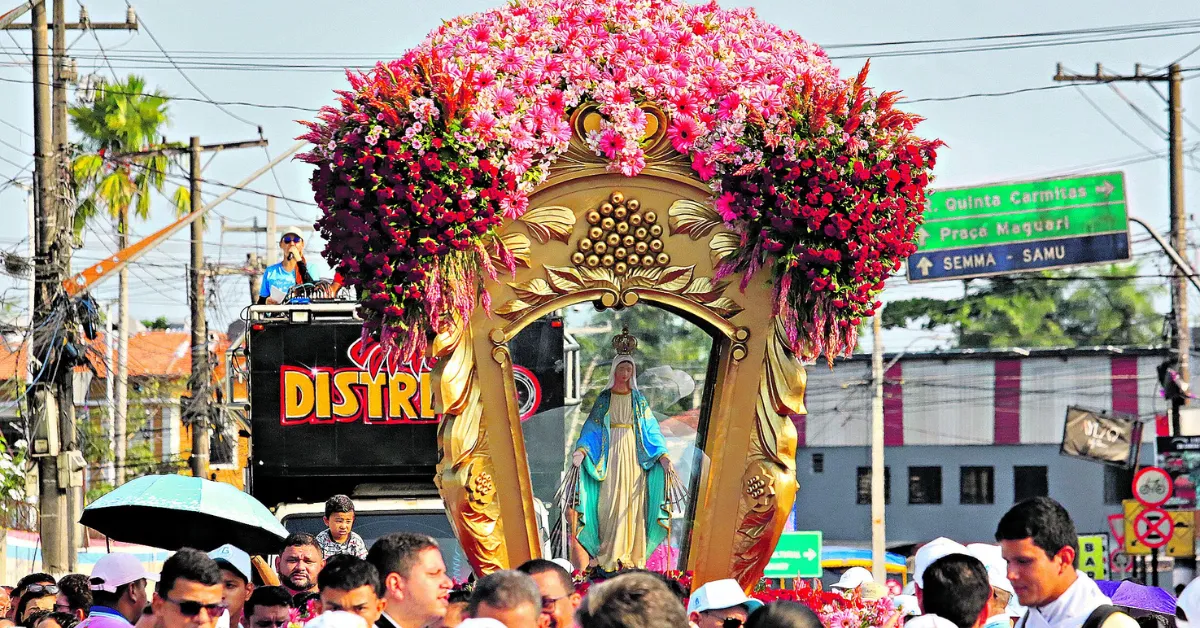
x=518, y=244
x=549, y=222
x=693, y=219
x=533, y=289
x=563, y=279
x=723, y=245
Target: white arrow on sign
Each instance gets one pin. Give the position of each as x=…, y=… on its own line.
x=922, y=234
x=924, y=265
x=810, y=554
x=1106, y=189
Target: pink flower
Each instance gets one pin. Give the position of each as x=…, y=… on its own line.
x=728, y=105
x=704, y=169
x=610, y=143
x=683, y=133
x=724, y=206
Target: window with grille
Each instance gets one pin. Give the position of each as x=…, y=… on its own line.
x=977, y=485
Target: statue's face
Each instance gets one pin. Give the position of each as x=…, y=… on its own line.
x=624, y=373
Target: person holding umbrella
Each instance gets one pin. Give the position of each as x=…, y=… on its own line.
x=118, y=584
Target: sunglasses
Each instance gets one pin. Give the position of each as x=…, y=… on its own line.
x=549, y=602
x=732, y=622
x=290, y=239
x=42, y=588
x=191, y=608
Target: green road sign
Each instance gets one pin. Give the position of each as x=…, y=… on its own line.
x=798, y=555
x=1016, y=213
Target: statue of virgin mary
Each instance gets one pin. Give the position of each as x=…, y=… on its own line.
x=623, y=505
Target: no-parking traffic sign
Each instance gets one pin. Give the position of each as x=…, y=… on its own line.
x=1154, y=528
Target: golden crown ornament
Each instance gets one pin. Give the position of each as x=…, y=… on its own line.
x=624, y=343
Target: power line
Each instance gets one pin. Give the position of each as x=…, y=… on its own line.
x=187, y=78
x=1113, y=122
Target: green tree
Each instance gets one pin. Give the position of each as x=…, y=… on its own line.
x=158, y=324
x=140, y=458
x=123, y=117
x=1048, y=309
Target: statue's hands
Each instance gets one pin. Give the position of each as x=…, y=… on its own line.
x=665, y=462
x=577, y=458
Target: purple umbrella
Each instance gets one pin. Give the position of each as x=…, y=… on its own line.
x=1153, y=599
x=1107, y=587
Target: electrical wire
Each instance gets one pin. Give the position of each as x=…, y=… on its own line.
x=1115, y=124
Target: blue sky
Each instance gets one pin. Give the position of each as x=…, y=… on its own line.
x=1028, y=135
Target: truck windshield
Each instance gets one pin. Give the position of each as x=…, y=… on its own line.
x=372, y=525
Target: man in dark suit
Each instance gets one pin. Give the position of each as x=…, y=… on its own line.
x=416, y=587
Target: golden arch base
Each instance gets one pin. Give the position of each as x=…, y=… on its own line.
x=742, y=499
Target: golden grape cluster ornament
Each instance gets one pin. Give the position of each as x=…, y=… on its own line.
x=621, y=237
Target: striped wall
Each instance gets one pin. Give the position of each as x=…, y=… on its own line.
x=978, y=399
x=23, y=554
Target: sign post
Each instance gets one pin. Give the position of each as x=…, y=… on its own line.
x=1017, y=227
x=798, y=555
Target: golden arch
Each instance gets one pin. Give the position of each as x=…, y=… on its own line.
x=743, y=499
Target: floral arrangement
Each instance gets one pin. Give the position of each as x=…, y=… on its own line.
x=835, y=609
x=425, y=156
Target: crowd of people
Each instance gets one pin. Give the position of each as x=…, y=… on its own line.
x=332, y=580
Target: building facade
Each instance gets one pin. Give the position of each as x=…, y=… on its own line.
x=967, y=434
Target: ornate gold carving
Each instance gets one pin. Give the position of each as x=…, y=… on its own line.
x=465, y=467
x=561, y=280
x=518, y=245
x=769, y=483
x=661, y=156
x=614, y=242
x=723, y=245
x=481, y=489
x=550, y=222
x=692, y=219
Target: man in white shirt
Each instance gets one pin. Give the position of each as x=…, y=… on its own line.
x=1038, y=540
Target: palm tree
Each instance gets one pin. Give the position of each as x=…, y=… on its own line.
x=122, y=118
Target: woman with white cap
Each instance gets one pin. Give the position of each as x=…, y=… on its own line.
x=279, y=278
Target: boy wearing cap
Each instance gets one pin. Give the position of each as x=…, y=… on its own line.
x=278, y=278
x=235, y=582
x=118, y=584
x=720, y=604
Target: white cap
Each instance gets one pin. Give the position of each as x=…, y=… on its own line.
x=853, y=578
x=931, y=552
x=907, y=605
x=997, y=570
x=564, y=563
x=1189, y=603
x=114, y=570
x=480, y=622
x=235, y=558
x=291, y=231
x=336, y=619
x=720, y=594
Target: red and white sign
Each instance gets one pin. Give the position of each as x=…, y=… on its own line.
x=1154, y=527
x=1152, y=486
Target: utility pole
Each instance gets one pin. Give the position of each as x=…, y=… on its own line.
x=1180, y=325
x=64, y=72
x=198, y=380
x=197, y=410
x=47, y=270
x=878, y=481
